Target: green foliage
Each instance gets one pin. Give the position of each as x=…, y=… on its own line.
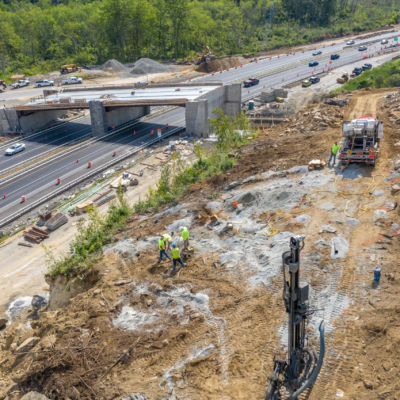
x=385, y=76
x=40, y=36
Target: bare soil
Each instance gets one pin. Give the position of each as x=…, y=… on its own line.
x=225, y=349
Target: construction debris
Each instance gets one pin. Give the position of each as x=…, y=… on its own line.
x=56, y=221
x=316, y=164
x=35, y=234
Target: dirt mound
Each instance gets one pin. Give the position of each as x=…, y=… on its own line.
x=221, y=63
x=148, y=66
x=113, y=66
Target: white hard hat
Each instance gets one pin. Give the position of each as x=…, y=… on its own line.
x=181, y=228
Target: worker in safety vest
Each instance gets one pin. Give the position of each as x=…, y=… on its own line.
x=185, y=237
x=161, y=247
x=334, y=150
x=176, y=257
x=167, y=241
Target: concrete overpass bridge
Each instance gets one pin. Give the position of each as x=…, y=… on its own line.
x=114, y=105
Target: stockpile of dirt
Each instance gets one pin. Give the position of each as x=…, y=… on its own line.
x=221, y=63
x=113, y=66
x=145, y=66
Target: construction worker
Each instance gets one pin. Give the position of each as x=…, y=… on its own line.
x=176, y=257
x=334, y=150
x=185, y=237
x=161, y=247
x=167, y=241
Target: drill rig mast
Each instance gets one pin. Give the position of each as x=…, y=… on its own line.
x=300, y=371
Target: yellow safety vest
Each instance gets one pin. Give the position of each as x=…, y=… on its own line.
x=161, y=244
x=166, y=238
x=185, y=234
x=175, y=253
x=335, y=148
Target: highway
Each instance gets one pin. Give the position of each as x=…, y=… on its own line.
x=36, y=184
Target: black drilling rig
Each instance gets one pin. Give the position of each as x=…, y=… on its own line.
x=298, y=373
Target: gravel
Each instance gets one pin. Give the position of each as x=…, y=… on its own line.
x=113, y=66
x=148, y=66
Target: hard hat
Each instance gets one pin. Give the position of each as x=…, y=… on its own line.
x=181, y=228
x=173, y=244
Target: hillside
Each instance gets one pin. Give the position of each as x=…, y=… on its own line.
x=38, y=36
x=212, y=329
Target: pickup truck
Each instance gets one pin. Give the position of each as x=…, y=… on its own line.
x=71, y=81
x=251, y=82
x=21, y=83
x=44, y=82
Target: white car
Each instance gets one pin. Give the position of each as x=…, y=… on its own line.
x=44, y=82
x=21, y=83
x=72, y=81
x=350, y=42
x=15, y=148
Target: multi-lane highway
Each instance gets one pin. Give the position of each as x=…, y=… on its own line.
x=40, y=180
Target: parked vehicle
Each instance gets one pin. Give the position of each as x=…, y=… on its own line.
x=350, y=42
x=357, y=71
x=334, y=56
x=306, y=83
x=251, y=82
x=314, y=79
x=313, y=63
x=68, y=68
x=317, y=53
x=384, y=41
x=44, y=82
x=71, y=81
x=20, y=83
x=366, y=66
x=362, y=48
x=15, y=148
x=361, y=139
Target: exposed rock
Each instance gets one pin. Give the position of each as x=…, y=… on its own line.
x=3, y=323
x=232, y=185
x=38, y=302
x=135, y=396
x=27, y=344
x=34, y=396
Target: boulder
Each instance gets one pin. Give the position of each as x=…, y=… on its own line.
x=3, y=323
x=34, y=396
x=27, y=344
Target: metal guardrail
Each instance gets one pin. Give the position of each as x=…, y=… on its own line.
x=61, y=189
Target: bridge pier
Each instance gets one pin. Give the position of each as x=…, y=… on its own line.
x=104, y=118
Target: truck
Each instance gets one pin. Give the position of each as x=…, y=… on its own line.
x=73, y=80
x=68, y=68
x=20, y=83
x=361, y=140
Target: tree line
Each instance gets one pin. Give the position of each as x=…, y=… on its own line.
x=38, y=35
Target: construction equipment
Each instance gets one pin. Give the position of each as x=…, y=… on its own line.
x=68, y=68
x=344, y=78
x=123, y=181
x=300, y=370
x=205, y=56
x=361, y=139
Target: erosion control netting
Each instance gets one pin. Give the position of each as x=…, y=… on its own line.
x=113, y=66
x=149, y=66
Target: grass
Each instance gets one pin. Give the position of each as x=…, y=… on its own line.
x=385, y=76
x=174, y=182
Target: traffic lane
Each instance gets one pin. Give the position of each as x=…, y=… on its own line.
x=35, y=148
x=67, y=167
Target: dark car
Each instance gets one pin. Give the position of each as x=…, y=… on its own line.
x=314, y=79
x=366, y=66
x=357, y=70
x=251, y=82
x=362, y=48
x=384, y=41
x=334, y=56
x=313, y=63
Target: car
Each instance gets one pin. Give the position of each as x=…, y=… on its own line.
x=314, y=79
x=362, y=48
x=251, y=82
x=334, y=56
x=313, y=63
x=71, y=81
x=306, y=83
x=384, y=41
x=15, y=148
x=357, y=70
x=317, y=53
x=21, y=83
x=44, y=82
x=350, y=42
x=366, y=66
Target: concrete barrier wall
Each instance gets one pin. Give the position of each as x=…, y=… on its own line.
x=38, y=119
x=118, y=116
x=8, y=121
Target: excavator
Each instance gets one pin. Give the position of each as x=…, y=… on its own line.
x=205, y=56
x=296, y=374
